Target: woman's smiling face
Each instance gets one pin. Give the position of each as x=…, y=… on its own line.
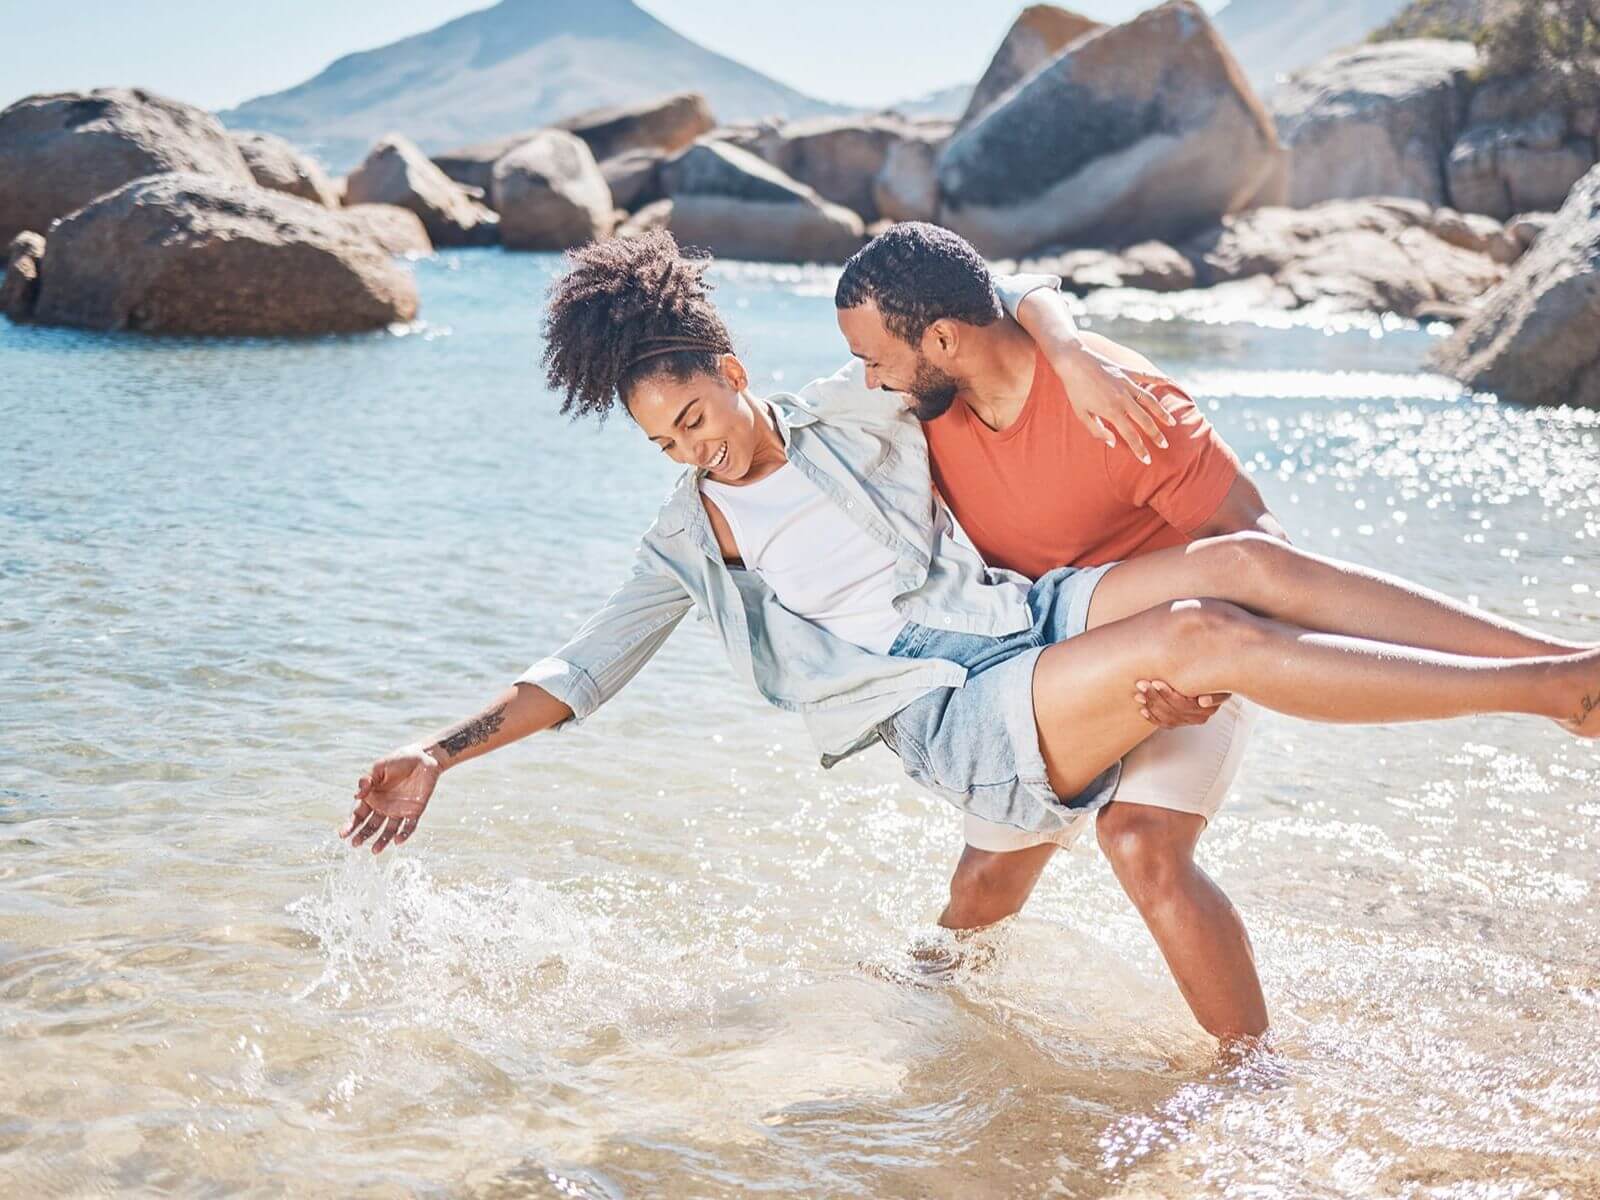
x=704, y=420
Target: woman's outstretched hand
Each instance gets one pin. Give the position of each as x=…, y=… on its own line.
x=390, y=798
x=1106, y=397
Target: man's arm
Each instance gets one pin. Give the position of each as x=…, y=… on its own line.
x=1242, y=511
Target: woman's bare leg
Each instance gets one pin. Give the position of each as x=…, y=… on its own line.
x=1274, y=579
x=1081, y=686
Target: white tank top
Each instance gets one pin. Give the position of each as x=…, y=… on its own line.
x=821, y=564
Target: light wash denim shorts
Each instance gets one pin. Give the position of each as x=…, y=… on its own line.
x=978, y=745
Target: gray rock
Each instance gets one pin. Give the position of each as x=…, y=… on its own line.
x=1149, y=266
x=1374, y=121
x=1528, y=165
x=1536, y=340
x=275, y=164
x=668, y=123
x=1348, y=255
x=840, y=158
x=473, y=166
x=634, y=177
x=653, y=216
x=19, y=282
x=60, y=151
x=550, y=194
x=1476, y=232
x=1040, y=32
x=906, y=187
x=1527, y=227
x=396, y=230
x=1089, y=151
x=737, y=206
x=396, y=172
x=192, y=254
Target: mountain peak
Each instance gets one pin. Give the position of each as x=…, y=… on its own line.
x=500, y=70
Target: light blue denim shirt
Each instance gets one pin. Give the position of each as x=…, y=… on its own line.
x=866, y=452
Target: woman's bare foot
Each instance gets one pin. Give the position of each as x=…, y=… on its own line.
x=1585, y=719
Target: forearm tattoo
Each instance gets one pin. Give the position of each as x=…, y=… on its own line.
x=471, y=733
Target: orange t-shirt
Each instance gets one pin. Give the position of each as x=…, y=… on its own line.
x=1044, y=492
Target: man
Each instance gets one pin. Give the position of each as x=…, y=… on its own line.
x=1034, y=489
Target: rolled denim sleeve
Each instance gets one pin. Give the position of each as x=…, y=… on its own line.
x=614, y=644
x=1014, y=289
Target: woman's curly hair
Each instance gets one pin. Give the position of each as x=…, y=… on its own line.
x=620, y=300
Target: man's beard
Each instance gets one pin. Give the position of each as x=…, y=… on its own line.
x=932, y=391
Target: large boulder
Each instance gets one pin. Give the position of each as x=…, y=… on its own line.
x=843, y=158
x=1517, y=166
x=906, y=187
x=550, y=194
x=1375, y=121
x=275, y=164
x=1040, y=32
x=669, y=123
x=1353, y=256
x=396, y=172
x=1090, y=149
x=737, y=206
x=394, y=229
x=1536, y=339
x=185, y=253
x=473, y=166
x=60, y=151
x=634, y=177
x=19, y=280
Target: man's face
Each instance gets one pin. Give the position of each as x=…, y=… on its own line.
x=896, y=366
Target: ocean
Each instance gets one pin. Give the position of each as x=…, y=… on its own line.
x=666, y=954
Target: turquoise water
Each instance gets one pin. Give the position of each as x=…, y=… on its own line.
x=666, y=954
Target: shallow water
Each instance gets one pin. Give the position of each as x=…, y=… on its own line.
x=666, y=954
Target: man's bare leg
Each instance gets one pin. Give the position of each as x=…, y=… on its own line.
x=991, y=885
x=1195, y=925
x=1151, y=850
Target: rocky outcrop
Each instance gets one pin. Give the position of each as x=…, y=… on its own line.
x=19, y=282
x=396, y=172
x=394, y=229
x=550, y=194
x=669, y=124
x=1375, y=121
x=185, y=253
x=841, y=159
x=60, y=151
x=275, y=164
x=1090, y=151
x=473, y=166
x=1353, y=255
x=1536, y=339
x=906, y=187
x=1150, y=266
x=1040, y=32
x=1517, y=166
x=737, y=206
x=634, y=177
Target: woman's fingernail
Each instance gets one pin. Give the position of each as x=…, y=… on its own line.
x=1142, y=685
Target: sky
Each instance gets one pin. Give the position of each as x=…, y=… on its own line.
x=216, y=53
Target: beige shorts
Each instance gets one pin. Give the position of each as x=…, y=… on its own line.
x=1188, y=769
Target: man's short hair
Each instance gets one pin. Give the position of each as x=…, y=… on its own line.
x=917, y=273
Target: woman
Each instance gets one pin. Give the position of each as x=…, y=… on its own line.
x=806, y=530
